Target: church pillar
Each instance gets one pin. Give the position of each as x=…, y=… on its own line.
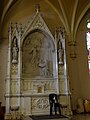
x=63, y=78
x=7, y=95
x=13, y=72
x=72, y=44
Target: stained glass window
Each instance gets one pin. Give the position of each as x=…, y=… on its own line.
x=88, y=42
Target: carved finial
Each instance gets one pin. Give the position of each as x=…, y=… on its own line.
x=56, y=32
x=37, y=8
x=10, y=27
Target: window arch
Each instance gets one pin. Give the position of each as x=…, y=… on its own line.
x=88, y=42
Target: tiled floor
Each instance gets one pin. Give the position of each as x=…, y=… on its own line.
x=81, y=117
x=77, y=117
x=74, y=117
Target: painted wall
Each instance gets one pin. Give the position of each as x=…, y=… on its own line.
x=78, y=68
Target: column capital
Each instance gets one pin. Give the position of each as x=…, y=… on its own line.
x=72, y=43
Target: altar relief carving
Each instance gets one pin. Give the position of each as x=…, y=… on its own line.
x=37, y=55
x=43, y=66
x=40, y=103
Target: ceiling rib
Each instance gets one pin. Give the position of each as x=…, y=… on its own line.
x=80, y=17
x=10, y=3
x=73, y=15
x=63, y=11
x=61, y=18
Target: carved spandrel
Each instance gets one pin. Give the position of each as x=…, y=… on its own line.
x=38, y=23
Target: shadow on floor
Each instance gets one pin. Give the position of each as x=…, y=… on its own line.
x=47, y=117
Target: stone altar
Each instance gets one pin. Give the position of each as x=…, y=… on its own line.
x=36, y=71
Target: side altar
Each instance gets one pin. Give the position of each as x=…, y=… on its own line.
x=36, y=68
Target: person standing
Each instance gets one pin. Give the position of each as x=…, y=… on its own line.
x=1, y=112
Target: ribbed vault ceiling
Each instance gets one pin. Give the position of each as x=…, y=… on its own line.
x=68, y=13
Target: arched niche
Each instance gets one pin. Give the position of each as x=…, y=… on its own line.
x=38, y=55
